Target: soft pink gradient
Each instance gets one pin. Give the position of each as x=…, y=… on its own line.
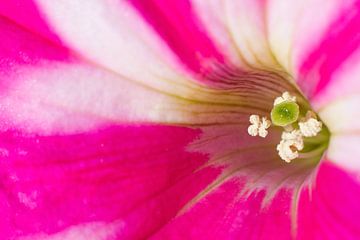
x=142, y=175
x=340, y=41
x=178, y=25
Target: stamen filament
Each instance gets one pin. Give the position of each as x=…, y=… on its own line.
x=314, y=153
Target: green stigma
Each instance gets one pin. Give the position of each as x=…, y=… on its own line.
x=285, y=113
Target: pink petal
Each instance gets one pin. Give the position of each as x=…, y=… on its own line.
x=127, y=173
x=239, y=28
x=26, y=13
x=249, y=199
x=112, y=46
x=175, y=21
x=311, y=49
x=116, y=36
x=34, y=81
x=323, y=55
x=210, y=13
x=339, y=42
x=224, y=215
x=344, y=82
x=332, y=211
x=64, y=168
x=54, y=97
x=84, y=231
x=47, y=90
x=20, y=47
x=338, y=106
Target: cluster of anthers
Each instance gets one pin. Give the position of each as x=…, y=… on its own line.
x=285, y=114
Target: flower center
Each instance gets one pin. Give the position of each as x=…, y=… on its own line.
x=279, y=150
x=296, y=134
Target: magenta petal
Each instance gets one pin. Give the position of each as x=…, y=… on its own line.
x=341, y=40
x=26, y=13
x=224, y=215
x=178, y=25
x=129, y=173
x=20, y=46
x=333, y=210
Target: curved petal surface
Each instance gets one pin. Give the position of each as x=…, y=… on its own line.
x=138, y=172
x=332, y=209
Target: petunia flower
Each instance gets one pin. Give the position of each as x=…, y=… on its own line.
x=128, y=119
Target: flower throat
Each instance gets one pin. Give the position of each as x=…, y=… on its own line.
x=303, y=136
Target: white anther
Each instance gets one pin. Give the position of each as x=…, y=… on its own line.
x=255, y=123
x=258, y=127
x=254, y=119
x=286, y=151
x=290, y=144
x=295, y=136
x=285, y=97
x=265, y=124
x=310, y=126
